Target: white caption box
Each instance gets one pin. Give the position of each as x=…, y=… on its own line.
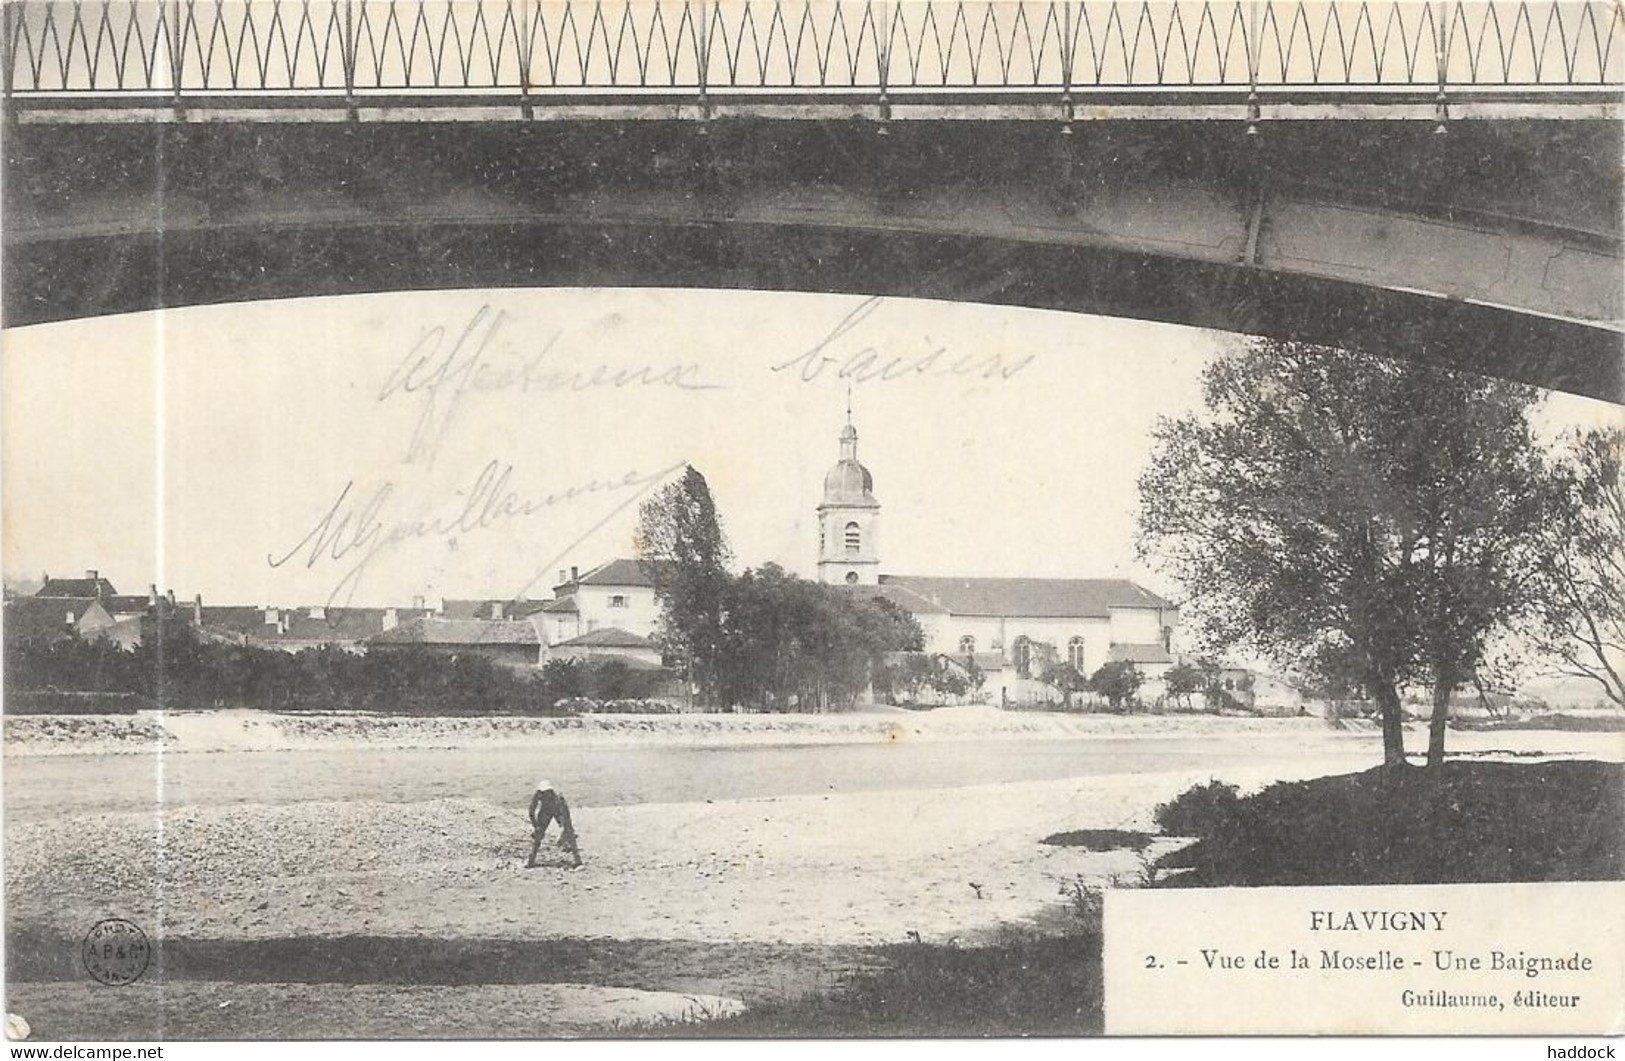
x=1474, y=959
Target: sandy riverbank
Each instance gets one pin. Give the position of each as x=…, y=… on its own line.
x=760, y=890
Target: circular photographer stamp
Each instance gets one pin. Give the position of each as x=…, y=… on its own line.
x=116, y=952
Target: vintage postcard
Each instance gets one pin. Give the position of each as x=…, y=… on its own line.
x=529, y=519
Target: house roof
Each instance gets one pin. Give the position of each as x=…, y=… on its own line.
x=563, y=605
x=622, y=571
x=333, y=626
x=985, y=661
x=35, y=617
x=127, y=604
x=1058, y=598
x=77, y=587
x=1141, y=653
x=486, y=609
x=607, y=637
x=431, y=630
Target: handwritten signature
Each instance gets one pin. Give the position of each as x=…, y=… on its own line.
x=868, y=365
x=361, y=525
x=475, y=362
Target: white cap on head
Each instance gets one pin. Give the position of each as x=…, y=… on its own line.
x=544, y=786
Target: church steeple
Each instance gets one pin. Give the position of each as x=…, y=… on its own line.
x=848, y=517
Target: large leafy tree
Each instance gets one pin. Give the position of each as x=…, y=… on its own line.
x=792, y=643
x=1331, y=508
x=681, y=545
x=1583, y=623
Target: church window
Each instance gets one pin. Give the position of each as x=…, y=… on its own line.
x=854, y=539
x=1074, y=654
x=851, y=578
x=967, y=644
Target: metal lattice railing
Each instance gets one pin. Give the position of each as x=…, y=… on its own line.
x=360, y=47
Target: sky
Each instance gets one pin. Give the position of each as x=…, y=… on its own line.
x=368, y=449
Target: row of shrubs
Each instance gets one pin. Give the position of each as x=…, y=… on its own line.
x=582, y=705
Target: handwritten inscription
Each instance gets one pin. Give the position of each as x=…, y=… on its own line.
x=365, y=523
x=837, y=353
x=481, y=359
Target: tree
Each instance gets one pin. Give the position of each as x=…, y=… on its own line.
x=1065, y=677
x=790, y=643
x=682, y=548
x=1334, y=507
x=1183, y=680
x=1583, y=623
x=1117, y=681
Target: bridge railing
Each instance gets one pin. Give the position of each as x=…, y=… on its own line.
x=356, y=48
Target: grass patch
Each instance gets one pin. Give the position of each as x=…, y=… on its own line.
x=1470, y=822
x=1100, y=839
x=1031, y=985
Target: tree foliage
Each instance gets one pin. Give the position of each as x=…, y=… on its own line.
x=1583, y=623
x=791, y=644
x=682, y=547
x=1118, y=681
x=175, y=668
x=1329, y=508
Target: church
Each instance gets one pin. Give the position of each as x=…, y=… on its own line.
x=1011, y=627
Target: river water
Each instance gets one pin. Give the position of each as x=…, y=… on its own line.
x=604, y=776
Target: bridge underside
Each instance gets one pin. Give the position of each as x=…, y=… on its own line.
x=1495, y=247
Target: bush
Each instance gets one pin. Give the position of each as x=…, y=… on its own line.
x=1203, y=811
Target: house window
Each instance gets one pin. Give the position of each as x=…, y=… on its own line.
x=967, y=645
x=854, y=539
x=1022, y=651
x=617, y=601
x=1074, y=654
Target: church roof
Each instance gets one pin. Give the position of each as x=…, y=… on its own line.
x=850, y=485
x=1055, y=598
x=1142, y=653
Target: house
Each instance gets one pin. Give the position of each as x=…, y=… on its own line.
x=608, y=643
x=90, y=608
x=618, y=595
x=510, y=642
x=1013, y=627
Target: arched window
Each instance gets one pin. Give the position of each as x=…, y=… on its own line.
x=1074, y=654
x=1022, y=651
x=967, y=645
x=854, y=539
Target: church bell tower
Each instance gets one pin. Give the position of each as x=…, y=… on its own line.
x=848, y=519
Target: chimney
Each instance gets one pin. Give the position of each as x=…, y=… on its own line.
x=417, y=604
x=390, y=619
x=92, y=574
x=317, y=611
x=152, y=595
x=69, y=619
x=498, y=611
x=574, y=576
x=273, y=616
x=562, y=578
x=197, y=610
x=169, y=595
